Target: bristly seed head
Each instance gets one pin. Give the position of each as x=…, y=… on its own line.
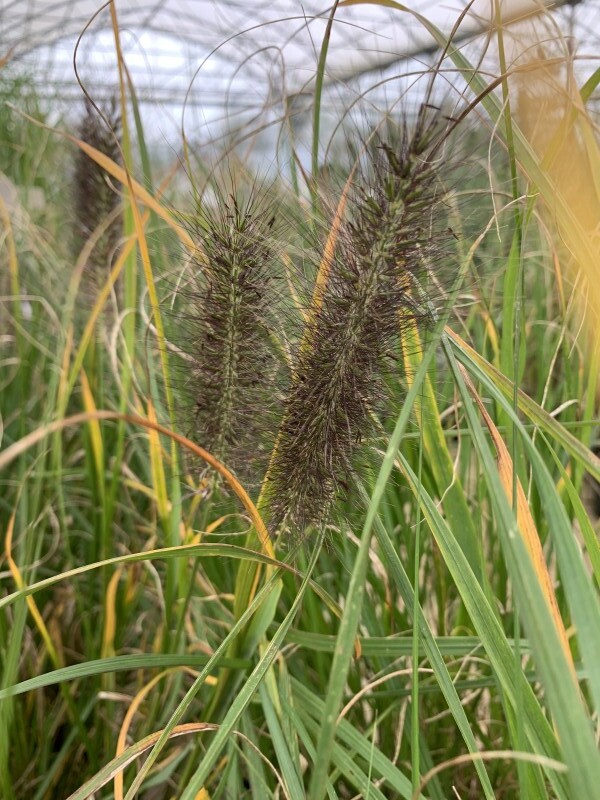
x=93, y=196
x=232, y=315
x=387, y=245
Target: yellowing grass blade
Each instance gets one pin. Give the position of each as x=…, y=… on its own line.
x=156, y=467
x=330, y=245
x=524, y=519
x=530, y=408
x=555, y=122
x=95, y=432
x=121, y=175
x=31, y=604
x=19, y=447
x=101, y=299
x=7, y=57
x=138, y=190
x=127, y=720
x=131, y=754
x=110, y=618
x=13, y=266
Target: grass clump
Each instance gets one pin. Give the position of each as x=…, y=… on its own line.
x=159, y=637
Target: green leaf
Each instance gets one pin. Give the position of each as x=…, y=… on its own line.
x=102, y=666
x=289, y=769
x=572, y=723
x=246, y=693
x=581, y=597
x=470, y=358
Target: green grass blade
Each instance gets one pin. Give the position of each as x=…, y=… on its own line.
x=261, y=596
x=357, y=743
x=392, y=647
x=489, y=629
x=319, y=77
x=127, y=663
x=289, y=769
x=247, y=692
x=580, y=594
x=448, y=483
x=308, y=741
x=345, y=763
x=431, y=650
x=571, y=721
x=201, y=550
x=590, y=537
x=539, y=416
x=340, y=667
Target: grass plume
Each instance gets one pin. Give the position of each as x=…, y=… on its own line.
x=385, y=248
x=232, y=313
x=94, y=198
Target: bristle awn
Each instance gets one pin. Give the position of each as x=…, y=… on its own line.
x=387, y=243
x=231, y=313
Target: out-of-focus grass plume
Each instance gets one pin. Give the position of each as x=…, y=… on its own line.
x=95, y=199
x=551, y=113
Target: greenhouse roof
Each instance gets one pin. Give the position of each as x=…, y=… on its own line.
x=274, y=41
x=231, y=60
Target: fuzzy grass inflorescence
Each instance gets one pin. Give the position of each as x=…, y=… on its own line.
x=94, y=198
x=387, y=244
x=232, y=314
